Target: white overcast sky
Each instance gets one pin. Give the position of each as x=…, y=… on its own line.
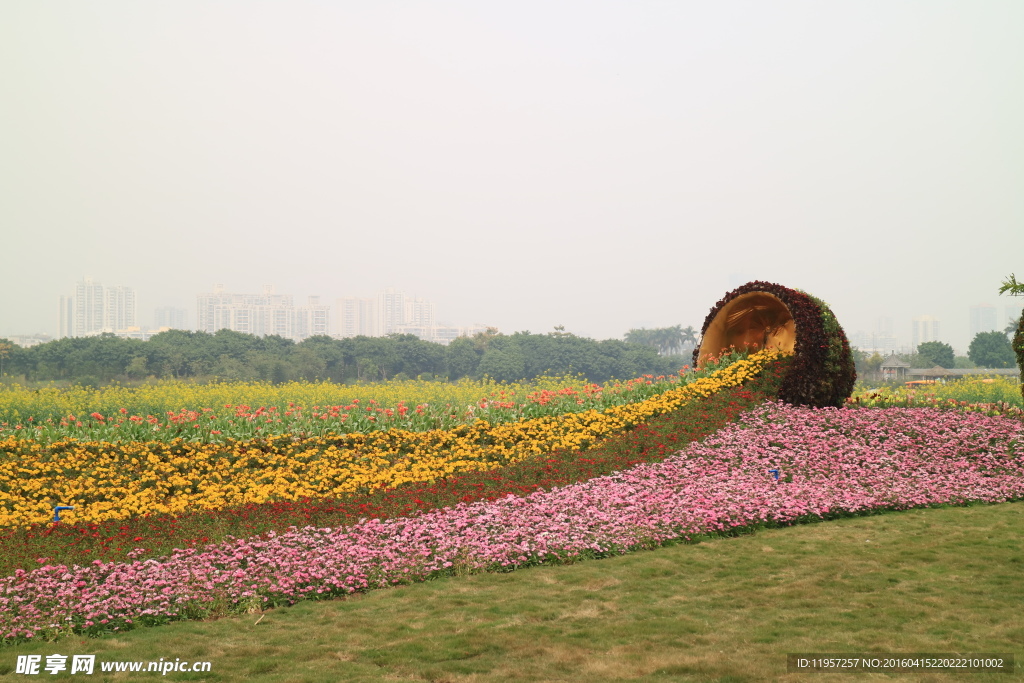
x=599, y=165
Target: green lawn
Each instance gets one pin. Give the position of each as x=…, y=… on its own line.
x=941, y=580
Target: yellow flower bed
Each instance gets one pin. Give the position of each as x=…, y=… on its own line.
x=106, y=481
x=966, y=390
x=19, y=403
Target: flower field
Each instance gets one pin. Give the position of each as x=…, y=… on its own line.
x=156, y=535
x=987, y=394
x=829, y=462
x=180, y=528
x=220, y=412
x=117, y=480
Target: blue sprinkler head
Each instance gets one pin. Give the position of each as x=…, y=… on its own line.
x=57, y=510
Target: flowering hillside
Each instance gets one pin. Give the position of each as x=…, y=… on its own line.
x=779, y=465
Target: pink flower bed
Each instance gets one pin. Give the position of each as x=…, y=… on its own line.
x=830, y=462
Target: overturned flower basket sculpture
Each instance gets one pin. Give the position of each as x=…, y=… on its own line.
x=765, y=315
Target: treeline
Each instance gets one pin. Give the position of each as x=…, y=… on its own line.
x=987, y=350
x=228, y=355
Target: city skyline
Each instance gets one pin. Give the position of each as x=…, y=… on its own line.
x=95, y=309
x=602, y=167
x=392, y=310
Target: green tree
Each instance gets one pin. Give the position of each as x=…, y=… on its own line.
x=328, y=352
x=874, y=364
x=181, y=353
x=15, y=360
x=462, y=358
x=503, y=364
x=136, y=368
x=418, y=357
x=308, y=364
x=867, y=365
x=641, y=336
x=5, y=352
x=964, y=363
x=991, y=350
x=668, y=340
x=1014, y=288
x=937, y=353
x=689, y=336
x=1011, y=286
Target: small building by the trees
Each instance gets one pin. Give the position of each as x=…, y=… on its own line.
x=894, y=369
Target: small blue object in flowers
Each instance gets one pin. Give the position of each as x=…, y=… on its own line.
x=57, y=510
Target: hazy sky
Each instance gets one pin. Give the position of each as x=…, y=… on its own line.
x=599, y=165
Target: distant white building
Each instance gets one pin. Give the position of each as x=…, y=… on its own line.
x=94, y=309
x=312, y=320
x=874, y=342
x=392, y=311
x=923, y=328
x=419, y=312
x=356, y=317
x=27, y=340
x=261, y=314
x=171, y=318
x=982, y=319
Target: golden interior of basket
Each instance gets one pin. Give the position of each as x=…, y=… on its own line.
x=750, y=322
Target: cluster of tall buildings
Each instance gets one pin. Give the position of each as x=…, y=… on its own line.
x=262, y=314
x=881, y=340
x=394, y=312
x=391, y=311
x=170, y=318
x=985, y=318
x=96, y=309
x=926, y=328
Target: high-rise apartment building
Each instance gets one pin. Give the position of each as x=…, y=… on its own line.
x=94, y=309
x=356, y=317
x=983, y=319
x=261, y=314
x=119, y=308
x=923, y=328
x=418, y=313
x=874, y=342
x=66, y=328
x=171, y=317
x=313, y=319
x=390, y=312
x=88, y=308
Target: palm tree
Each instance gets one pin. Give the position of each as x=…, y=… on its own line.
x=674, y=339
x=641, y=336
x=662, y=338
x=668, y=340
x=689, y=337
x=1011, y=285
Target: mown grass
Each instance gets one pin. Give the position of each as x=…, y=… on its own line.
x=728, y=609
